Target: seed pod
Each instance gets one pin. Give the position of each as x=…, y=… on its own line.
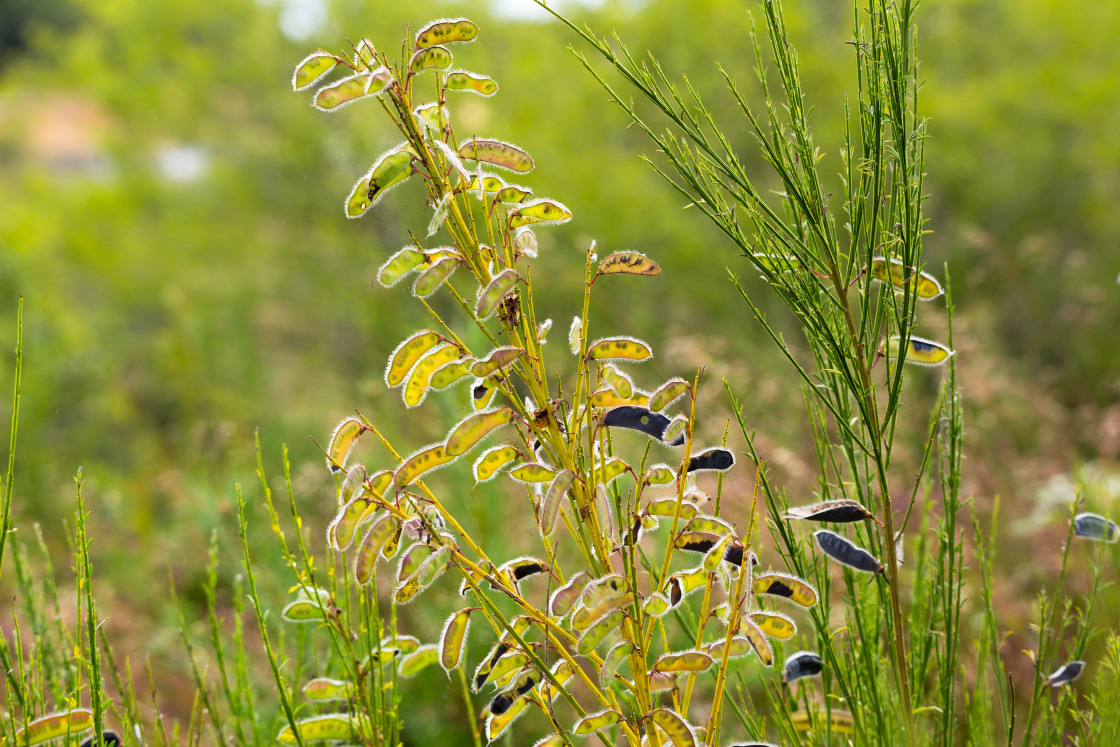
x=677, y=431
x=499, y=358
x=514, y=194
x=683, y=583
x=452, y=641
x=774, y=624
x=449, y=373
x=802, y=664
x=758, y=641
x=533, y=473
x=550, y=506
x=406, y=355
x=696, y=541
x=312, y=68
x=489, y=668
x=656, y=605
x=710, y=525
x=845, y=551
x=539, y=212
x=637, y=418
x=675, y=727
x=495, y=725
x=612, y=469
x=428, y=58
x=667, y=394
x=419, y=381
x=715, y=459
x=595, y=722
x=785, y=586
x=715, y=556
x=660, y=474
x=525, y=242
x=598, y=631
x=324, y=688
x=393, y=544
x=452, y=159
x=482, y=392
x=55, y=725
x=629, y=263
x=1096, y=527
x=893, y=271
x=417, y=661
x=305, y=609
x=343, y=439
x=462, y=80
x=473, y=428
x=660, y=682
x=400, y=264
x=837, y=512
x=919, y=351
x=426, y=459
x=553, y=740
x=380, y=532
x=562, y=600
x=491, y=461
x=608, y=398
x=432, y=116
x=501, y=154
x=1065, y=674
x=683, y=661
x=583, y=616
x=429, y=280
x=345, y=91
x=490, y=296
x=411, y=559
x=575, y=335
x=667, y=507
x=619, y=348
x=520, y=569
x=734, y=556
x=392, y=168
x=332, y=726
x=602, y=508
x=613, y=660
x=595, y=592
x=617, y=380
x=740, y=646
x=446, y=32
x=836, y=721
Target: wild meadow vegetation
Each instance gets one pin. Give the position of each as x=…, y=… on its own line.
x=593, y=549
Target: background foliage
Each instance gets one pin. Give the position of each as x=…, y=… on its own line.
x=173, y=217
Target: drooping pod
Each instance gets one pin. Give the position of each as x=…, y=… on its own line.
x=613, y=660
x=1065, y=674
x=341, y=531
x=660, y=474
x=400, y=264
x=893, y=271
x=419, y=381
x=426, y=459
x=774, y=624
x=453, y=639
x=785, y=586
x=740, y=646
x=595, y=592
x=712, y=460
x=564, y=598
x=678, y=730
x=1096, y=527
x=497, y=153
x=757, y=640
x=380, y=532
x=802, y=664
x=446, y=32
x=628, y=263
x=595, y=722
x=390, y=169
x=473, y=428
x=667, y=394
x=405, y=356
x=498, y=359
x=919, y=351
x=847, y=552
x=667, y=507
x=495, y=725
x=619, y=348
x=308, y=609
x=521, y=568
x=490, y=296
x=312, y=68
x=683, y=661
x=532, y=473
x=493, y=460
x=837, y=512
x=343, y=439
x=550, y=506
x=346, y=91
x=640, y=419
x=429, y=280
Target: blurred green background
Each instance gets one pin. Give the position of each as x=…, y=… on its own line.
x=171, y=212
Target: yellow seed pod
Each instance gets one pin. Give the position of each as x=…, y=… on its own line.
x=428, y=58
x=448, y=374
x=55, y=725
x=407, y=589
x=371, y=546
x=710, y=525
x=394, y=542
x=757, y=640
x=667, y=394
x=493, y=460
x=320, y=728
x=482, y=393
x=532, y=473
x=715, y=556
x=453, y=639
x=774, y=624
x=419, y=380
x=345, y=91
x=835, y=720
x=613, y=660
x=675, y=727
x=498, y=153
x=473, y=428
x=690, y=580
x=667, y=507
x=515, y=194
x=613, y=469
x=342, y=529
x=312, y=68
x=599, y=631
x=619, y=348
x=660, y=474
x=618, y=380
x=656, y=605
x=564, y=598
x=419, y=660
x=379, y=482
x=919, y=351
x=785, y=586
x=399, y=265
x=584, y=616
x=388, y=171
x=552, y=740
x=607, y=398
x=893, y=271
x=550, y=505
x=324, y=688
x=461, y=80
x=603, y=588
x=506, y=668
x=406, y=354
x=495, y=725
x=539, y=211
x=740, y=646
x=595, y=722
x=492, y=295
x=683, y=661
x=446, y=32
x=343, y=439
x=426, y=459
x=628, y=263
x=498, y=359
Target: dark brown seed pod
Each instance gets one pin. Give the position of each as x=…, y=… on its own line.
x=676, y=593
x=1065, y=674
x=522, y=568
x=652, y=424
x=501, y=703
x=712, y=460
x=734, y=556
x=847, y=552
x=837, y=512
x=802, y=664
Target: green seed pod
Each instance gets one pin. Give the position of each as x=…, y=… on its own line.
x=461, y=80
x=595, y=722
x=419, y=381
x=473, y=428
x=491, y=296
x=446, y=32
x=399, y=265
x=532, y=473
x=453, y=639
x=564, y=598
x=656, y=605
x=392, y=168
x=418, y=661
x=619, y=348
x=324, y=688
x=493, y=460
x=305, y=609
x=617, y=380
x=343, y=439
x=343, y=92
x=312, y=68
x=406, y=354
x=426, y=459
x=498, y=153
x=660, y=474
x=539, y=212
x=428, y=58
x=499, y=358
x=613, y=660
x=429, y=280
x=55, y=725
x=678, y=730
x=667, y=394
x=550, y=506
x=598, y=631
x=332, y=726
x=449, y=373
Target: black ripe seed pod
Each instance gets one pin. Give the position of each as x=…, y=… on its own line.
x=836, y=512
x=734, y=556
x=501, y=703
x=1065, y=674
x=802, y=664
x=652, y=424
x=846, y=552
x=1093, y=526
x=108, y=737
x=696, y=541
x=712, y=459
